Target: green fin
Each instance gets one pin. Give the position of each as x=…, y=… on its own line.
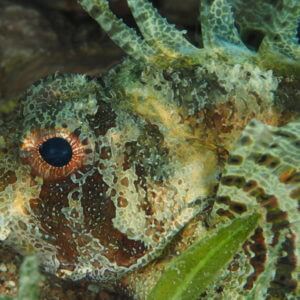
x=122, y=35
x=217, y=24
x=263, y=174
x=158, y=32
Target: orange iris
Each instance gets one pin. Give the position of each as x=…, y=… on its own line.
x=30, y=153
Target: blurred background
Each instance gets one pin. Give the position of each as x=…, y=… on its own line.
x=39, y=37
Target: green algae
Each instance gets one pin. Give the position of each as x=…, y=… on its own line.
x=190, y=274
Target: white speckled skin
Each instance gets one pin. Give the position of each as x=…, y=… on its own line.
x=150, y=140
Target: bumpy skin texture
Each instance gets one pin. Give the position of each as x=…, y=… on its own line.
x=150, y=140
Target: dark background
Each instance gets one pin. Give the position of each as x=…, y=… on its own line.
x=39, y=37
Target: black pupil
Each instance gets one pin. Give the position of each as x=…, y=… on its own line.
x=56, y=151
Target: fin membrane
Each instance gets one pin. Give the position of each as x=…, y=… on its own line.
x=263, y=174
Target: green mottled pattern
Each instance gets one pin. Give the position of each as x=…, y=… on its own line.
x=158, y=32
x=122, y=35
x=152, y=137
x=281, y=32
x=217, y=23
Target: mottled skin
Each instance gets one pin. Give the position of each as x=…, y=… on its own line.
x=151, y=139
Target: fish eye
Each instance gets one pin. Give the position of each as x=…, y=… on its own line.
x=56, y=151
x=54, y=154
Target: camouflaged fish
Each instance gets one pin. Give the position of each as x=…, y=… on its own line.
x=99, y=177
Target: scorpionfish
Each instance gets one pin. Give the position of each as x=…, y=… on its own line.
x=100, y=177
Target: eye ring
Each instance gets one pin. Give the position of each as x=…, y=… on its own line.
x=30, y=153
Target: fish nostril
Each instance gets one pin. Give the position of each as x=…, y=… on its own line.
x=56, y=151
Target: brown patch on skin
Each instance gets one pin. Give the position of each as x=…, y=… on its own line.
x=221, y=123
x=257, y=245
x=103, y=120
x=294, y=178
x=124, y=181
x=286, y=175
x=99, y=211
x=276, y=216
x=245, y=140
x=269, y=202
x=105, y=153
x=122, y=202
x=295, y=194
x=221, y=117
x=266, y=160
x=287, y=94
x=137, y=156
x=47, y=210
x=141, y=174
x=6, y=178
x=249, y=185
x=147, y=207
x=22, y=225
x=140, y=171
x=156, y=230
x=234, y=206
x=234, y=265
x=223, y=199
x=237, y=207
x=235, y=160
x=283, y=282
x=141, y=182
x=229, y=180
x=127, y=162
x=225, y=213
x=258, y=193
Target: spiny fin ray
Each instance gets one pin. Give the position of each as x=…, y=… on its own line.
x=158, y=32
x=263, y=173
x=217, y=24
x=283, y=36
x=118, y=31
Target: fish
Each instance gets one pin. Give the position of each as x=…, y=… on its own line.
x=101, y=177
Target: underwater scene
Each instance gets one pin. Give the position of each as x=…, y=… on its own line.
x=149, y=150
